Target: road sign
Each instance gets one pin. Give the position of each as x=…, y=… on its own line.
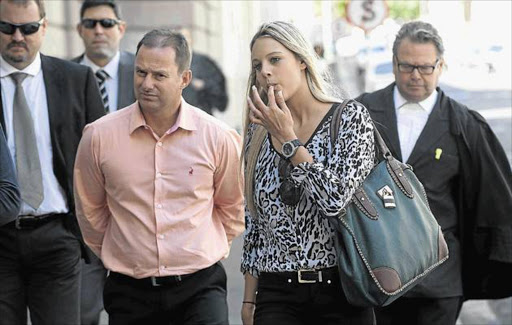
x=366, y=14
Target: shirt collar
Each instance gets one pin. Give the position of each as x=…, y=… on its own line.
x=427, y=104
x=111, y=68
x=186, y=118
x=32, y=69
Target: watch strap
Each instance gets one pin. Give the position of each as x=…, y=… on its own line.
x=295, y=145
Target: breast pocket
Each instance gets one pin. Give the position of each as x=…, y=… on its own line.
x=439, y=170
x=191, y=183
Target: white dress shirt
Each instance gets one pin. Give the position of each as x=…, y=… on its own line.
x=411, y=119
x=112, y=82
x=35, y=93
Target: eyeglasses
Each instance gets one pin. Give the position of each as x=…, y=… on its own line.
x=422, y=69
x=290, y=194
x=105, y=23
x=25, y=29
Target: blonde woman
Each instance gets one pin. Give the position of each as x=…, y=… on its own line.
x=294, y=178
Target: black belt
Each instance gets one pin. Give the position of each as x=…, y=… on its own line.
x=327, y=275
x=31, y=222
x=155, y=281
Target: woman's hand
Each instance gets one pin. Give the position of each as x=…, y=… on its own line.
x=248, y=313
x=274, y=116
x=248, y=306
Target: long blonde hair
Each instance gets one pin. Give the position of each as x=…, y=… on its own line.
x=290, y=37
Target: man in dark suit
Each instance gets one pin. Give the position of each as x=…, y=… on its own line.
x=101, y=30
x=465, y=173
x=45, y=103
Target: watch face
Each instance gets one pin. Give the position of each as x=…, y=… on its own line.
x=287, y=149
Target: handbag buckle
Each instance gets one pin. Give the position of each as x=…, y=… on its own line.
x=309, y=276
x=387, y=197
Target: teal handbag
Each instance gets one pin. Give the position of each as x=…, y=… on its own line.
x=386, y=238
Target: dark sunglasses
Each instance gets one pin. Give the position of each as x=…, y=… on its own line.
x=289, y=193
x=25, y=29
x=105, y=23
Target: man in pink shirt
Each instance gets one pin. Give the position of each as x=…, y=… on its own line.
x=159, y=196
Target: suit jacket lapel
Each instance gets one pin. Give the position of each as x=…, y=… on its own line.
x=2, y=121
x=53, y=79
x=437, y=125
x=384, y=114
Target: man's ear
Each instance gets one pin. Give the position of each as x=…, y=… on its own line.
x=122, y=27
x=79, y=29
x=186, y=78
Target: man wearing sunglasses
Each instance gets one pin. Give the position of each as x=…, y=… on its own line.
x=466, y=175
x=101, y=30
x=45, y=103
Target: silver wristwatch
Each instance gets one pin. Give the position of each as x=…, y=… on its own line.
x=289, y=148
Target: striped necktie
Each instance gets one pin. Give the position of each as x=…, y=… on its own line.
x=101, y=77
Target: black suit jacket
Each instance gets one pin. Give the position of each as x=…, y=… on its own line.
x=125, y=95
x=10, y=200
x=471, y=172
x=73, y=101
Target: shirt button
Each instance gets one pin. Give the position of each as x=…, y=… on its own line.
x=158, y=175
x=162, y=267
x=159, y=144
x=159, y=206
x=161, y=236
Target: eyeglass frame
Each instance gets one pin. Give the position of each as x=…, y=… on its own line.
x=418, y=67
x=23, y=26
x=99, y=21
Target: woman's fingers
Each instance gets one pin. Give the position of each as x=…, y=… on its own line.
x=281, y=103
x=257, y=99
x=254, y=113
x=271, y=97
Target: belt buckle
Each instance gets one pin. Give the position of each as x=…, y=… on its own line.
x=154, y=283
x=18, y=222
x=301, y=280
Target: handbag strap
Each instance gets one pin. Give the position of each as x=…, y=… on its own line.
x=335, y=126
x=394, y=166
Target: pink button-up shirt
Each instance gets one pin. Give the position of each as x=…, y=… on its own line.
x=150, y=206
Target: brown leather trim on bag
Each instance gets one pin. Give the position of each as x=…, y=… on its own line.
x=364, y=204
x=388, y=278
x=443, y=247
x=398, y=175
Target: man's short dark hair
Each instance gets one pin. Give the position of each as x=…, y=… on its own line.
x=95, y=3
x=39, y=3
x=419, y=32
x=159, y=38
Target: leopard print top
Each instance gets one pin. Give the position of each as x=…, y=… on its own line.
x=289, y=238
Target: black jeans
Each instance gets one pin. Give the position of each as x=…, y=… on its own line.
x=281, y=300
x=199, y=298
x=39, y=269
x=420, y=311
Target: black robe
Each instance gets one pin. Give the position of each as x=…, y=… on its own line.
x=475, y=182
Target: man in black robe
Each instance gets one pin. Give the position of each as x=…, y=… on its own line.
x=466, y=175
